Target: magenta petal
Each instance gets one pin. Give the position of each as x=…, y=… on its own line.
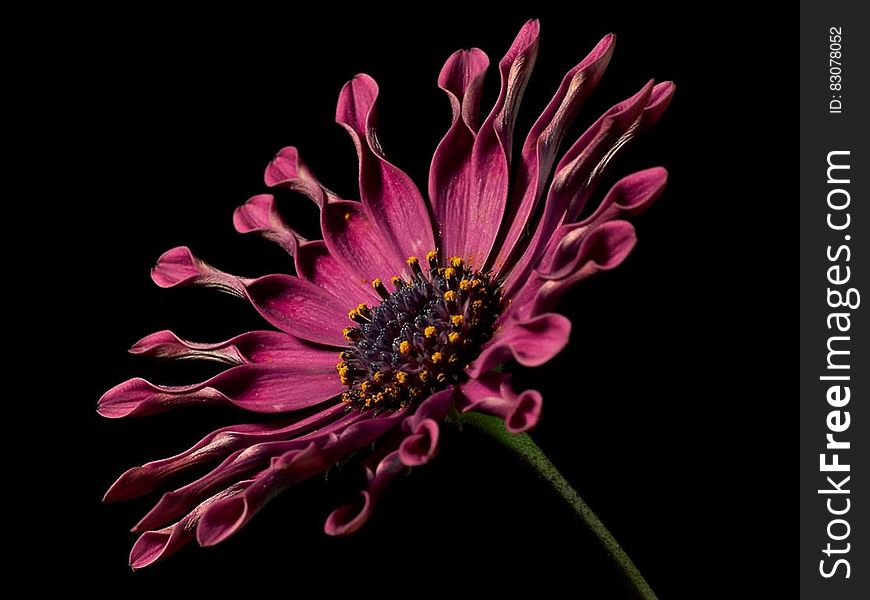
x=544, y=140
x=315, y=263
x=579, y=171
x=450, y=175
x=391, y=199
x=179, y=266
x=418, y=448
x=236, y=466
x=140, y=480
x=586, y=251
x=491, y=155
x=153, y=546
x=300, y=308
x=530, y=342
x=631, y=195
x=434, y=407
x=351, y=517
x=492, y=394
x=265, y=388
x=250, y=347
x=260, y=215
x=354, y=240
x=287, y=170
x=226, y=517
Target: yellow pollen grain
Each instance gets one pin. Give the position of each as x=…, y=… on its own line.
x=401, y=377
x=453, y=337
x=437, y=357
x=450, y=295
x=405, y=347
x=454, y=358
x=346, y=332
x=430, y=332
x=376, y=282
x=351, y=314
x=465, y=285
x=477, y=304
x=456, y=261
x=442, y=377
x=431, y=255
x=396, y=280
x=362, y=308
x=365, y=385
x=456, y=319
x=423, y=375
x=347, y=216
x=412, y=260
x=475, y=283
x=449, y=273
x=368, y=402
x=380, y=376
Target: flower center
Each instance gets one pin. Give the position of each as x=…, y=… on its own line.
x=422, y=336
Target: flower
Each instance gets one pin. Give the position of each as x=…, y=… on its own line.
x=400, y=314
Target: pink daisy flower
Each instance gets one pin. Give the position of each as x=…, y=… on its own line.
x=401, y=314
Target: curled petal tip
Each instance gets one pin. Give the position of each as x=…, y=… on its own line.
x=526, y=413
x=349, y=518
x=284, y=166
x=174, y=267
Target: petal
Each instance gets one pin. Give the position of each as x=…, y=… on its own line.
x=351, y=517
x=392, y=201
x=581, y=168
x=491, y=155
x=434, y=407
x=544, y=139
x=315, y=263
x=631, y=195
x=291, y=304
x=492, y=394
x=287, y=170
x=265, y=388
x=260, y=215
x=450, y=175
x=587, y=251
x=300, y=308
x=530, y=342
x=250, y=347
x=238, y=465
x=153, y=546
x=226, y=517
x=354, y=241
x=179, y=266
x=420, y=447
x=140, y=480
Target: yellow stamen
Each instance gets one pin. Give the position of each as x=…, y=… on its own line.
x=456, y=319
x=449, y=273
x=365, y=385
x=430, y=332
x=442, y=377
x=352, y=314
x=346, y=332
x=412, y=260
x=475, y=283
x=437, y=357
x=431, y=255
x=401, y=377
x=456, y=261
x=347, y=216
x=477, y=304
x=450, y=295
x=453, y=337
x=465, y=285
x=423, y=375
x=345, y=397
x=405, y=347
x=454, y=358
x=380, y=376
x=396, y=280
x=376, y=282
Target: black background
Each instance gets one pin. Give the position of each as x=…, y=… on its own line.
x=665, y=409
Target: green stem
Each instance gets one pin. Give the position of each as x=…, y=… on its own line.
x=525, y=448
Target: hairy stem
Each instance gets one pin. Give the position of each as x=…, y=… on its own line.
x=525, y=448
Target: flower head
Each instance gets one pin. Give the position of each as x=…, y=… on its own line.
x=403, y=310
